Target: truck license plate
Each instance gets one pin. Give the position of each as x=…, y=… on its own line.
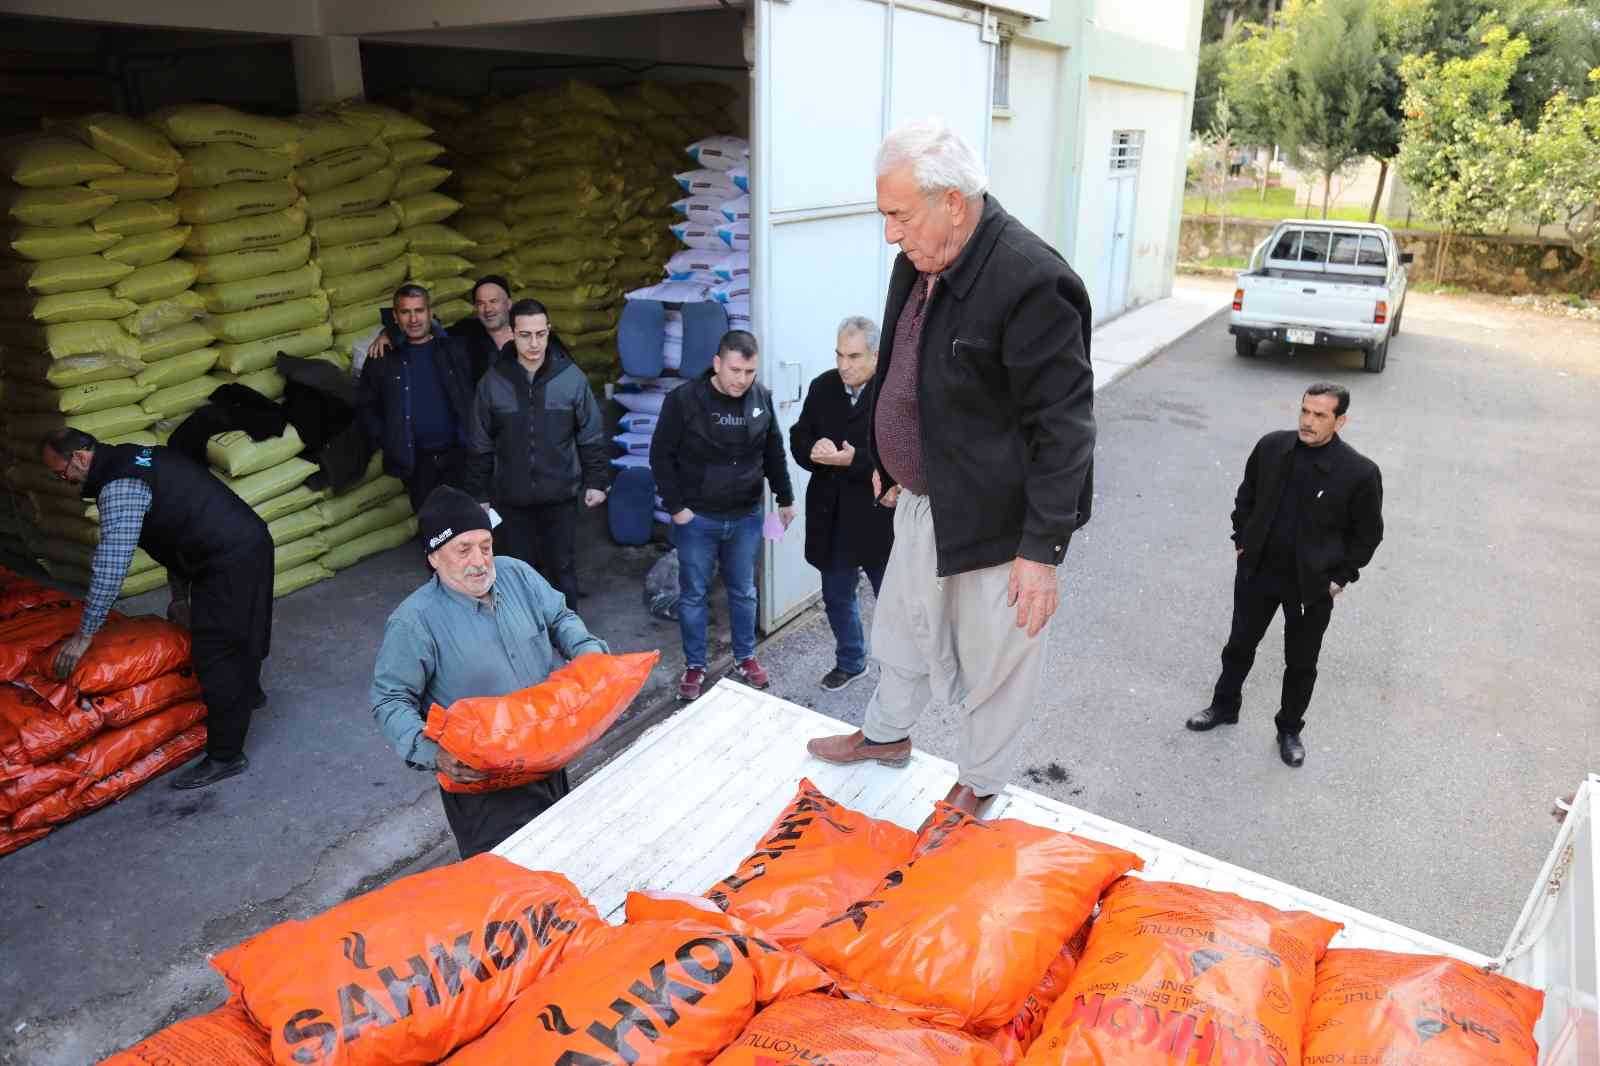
x=1300, y=336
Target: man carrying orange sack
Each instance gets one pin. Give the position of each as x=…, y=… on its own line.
x=479, y=627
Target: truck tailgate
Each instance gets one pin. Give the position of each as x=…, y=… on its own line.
x=1329, y=305
x=685, y=804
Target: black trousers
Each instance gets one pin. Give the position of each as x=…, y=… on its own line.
x=1256, y=598
x=433, y=469
x=230, y=626
x=482, y=820
x=545, y=536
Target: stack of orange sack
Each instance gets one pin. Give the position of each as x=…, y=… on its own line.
x=849, y=941
x=129, y=712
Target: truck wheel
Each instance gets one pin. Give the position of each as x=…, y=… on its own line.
x=1398, y=315
x=1244, y=347
x=1377, y=357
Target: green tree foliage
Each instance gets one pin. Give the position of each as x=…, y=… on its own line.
x=1557, y=177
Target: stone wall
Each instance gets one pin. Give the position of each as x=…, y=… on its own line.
x=1503, y=264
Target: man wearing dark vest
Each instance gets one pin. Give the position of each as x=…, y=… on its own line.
x=218, y=556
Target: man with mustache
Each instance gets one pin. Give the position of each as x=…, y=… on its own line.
x=481, y=626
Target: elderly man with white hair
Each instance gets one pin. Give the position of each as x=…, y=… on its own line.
x=982, y=441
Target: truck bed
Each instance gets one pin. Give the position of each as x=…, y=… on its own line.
x=685, y=804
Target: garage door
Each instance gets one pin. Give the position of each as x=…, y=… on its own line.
x=831, y=78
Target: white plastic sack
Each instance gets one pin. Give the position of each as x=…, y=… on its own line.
x=733, y=293
x=633, y=443
x=678, y=292
x=672, y=353
x=736, y=209
x=721, y=152
x=672, y=327
x=735, y=266
x=703, y=209
x=633, y=422
x=696, y=235
x=713, y=184
x=697, y=261
x=735, y=235
x=740, y=176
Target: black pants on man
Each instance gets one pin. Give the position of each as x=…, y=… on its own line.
x=433, y=469
x=230, y=626
x=1256, y=598
x=482, y=820
x=545, y=536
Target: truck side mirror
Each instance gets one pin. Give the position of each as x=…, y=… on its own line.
x=1406, y=258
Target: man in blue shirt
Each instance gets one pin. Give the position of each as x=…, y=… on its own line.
x=481, y=626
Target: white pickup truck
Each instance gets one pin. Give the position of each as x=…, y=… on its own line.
x=1323, y=284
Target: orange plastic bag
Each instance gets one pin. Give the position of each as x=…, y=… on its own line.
x=33, y=732
x=61, y=807
x=1410, y=1010
x=146, y=698
x=1180, y=975
x=813, y=1028
x=969, y=926
x=676, y=985
x=124, y=653
x=18, y=594
x=533, y=732
x=224, y=1037
x=1013, y=1039
x=25, y=633
x=411, y=971
x=98, y=757
x=816, y=859
x=10, y=840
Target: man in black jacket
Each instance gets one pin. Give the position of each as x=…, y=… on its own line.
x=716, y=439
x=983, y=441
x=537, y=442
x=416, y=402
x=482, y=336
x=846, y=531
x=1306, y=519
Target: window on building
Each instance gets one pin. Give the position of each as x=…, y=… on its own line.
x=1002, y=74
x=1126, y=147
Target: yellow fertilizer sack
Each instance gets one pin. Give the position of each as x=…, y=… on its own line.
x=268, y=484
x=357, y=317
x=323, y=135
x=338, y=509
x=138, y=216
x=66, y=206
x=76, y=400
x=251, y=262
x=174, y=342
x=290, y=528
x=71, y=274
x=446, y=290
x=388, y=123
x=297, y=552
x=158, y=281
x=570, y=250
x=258, y=231
x=87, y=338
x=237, y=199
x=239, y=327
x=132, y=185
x=39, y=369
x=219, y=164
x=425, y=207
x=268, y=382
x=452, y=311
x=112, y=422
x=361, y=255
x=46, y=162
x=178, y=369
x=362, y=195
x=137, y=145
x=177, y=400
x=297, y=578
x=262, y=291
x=414, y=153
x=433, y=238
x=414, y=181
x=158, y=316
x=41, y=243
x=362, y=226
x=143, y=249
x=236, y=454
x=250, y=356
x=365, y=285
x=436, y=266
x=79, y=306
x=191, y=124
x=341, y=168
x=296, y=499
x=353, y=551
x=395, y=509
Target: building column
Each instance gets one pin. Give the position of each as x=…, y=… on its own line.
x=327, y=70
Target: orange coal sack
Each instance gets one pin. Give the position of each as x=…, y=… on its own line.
x=1181, y=976
x=224, y=1037
x=969, y=927
x=411, y=971
x=533, y=732
x=10, y=841
x=146, y=698
x=67, y=804
x=1418, y=1010
x=674, y=986
x=811, y=1029
x=1013, y=1039
x=18, y=594
x=24, y=635
x=816, y=859
x=34, y=732
x=124, y=652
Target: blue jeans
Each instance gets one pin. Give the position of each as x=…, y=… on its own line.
x=702, y=543
x=839, y=600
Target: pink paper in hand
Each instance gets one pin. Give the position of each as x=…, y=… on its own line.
x=772, y=528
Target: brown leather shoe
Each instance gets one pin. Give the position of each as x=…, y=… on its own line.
x=855, y=747
x=961, y=797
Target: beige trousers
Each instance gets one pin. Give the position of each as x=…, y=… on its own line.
x=954, y=638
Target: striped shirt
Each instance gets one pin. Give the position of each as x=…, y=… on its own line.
x=123, y=504
x=899, y=414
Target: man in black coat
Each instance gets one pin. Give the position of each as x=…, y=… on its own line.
x=1306, y=519
x=846, y=531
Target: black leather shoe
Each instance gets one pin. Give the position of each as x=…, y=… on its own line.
x=1210, y=718
x=1290, y=749
x=209, y=771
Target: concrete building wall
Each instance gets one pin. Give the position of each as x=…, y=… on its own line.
x=1165, y=23
x=1027, y=145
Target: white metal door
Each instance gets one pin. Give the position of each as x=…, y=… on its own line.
x=830, y=78
x=1117, y=251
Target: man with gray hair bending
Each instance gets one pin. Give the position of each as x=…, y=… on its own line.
x=982, y=440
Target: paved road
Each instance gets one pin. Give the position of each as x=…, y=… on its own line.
x=1459, y=680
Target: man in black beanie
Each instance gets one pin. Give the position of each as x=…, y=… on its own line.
x=481, y=626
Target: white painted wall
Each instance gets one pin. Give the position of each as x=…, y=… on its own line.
x=1163, y=22
x=1113, y=106
x=1027, y=143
